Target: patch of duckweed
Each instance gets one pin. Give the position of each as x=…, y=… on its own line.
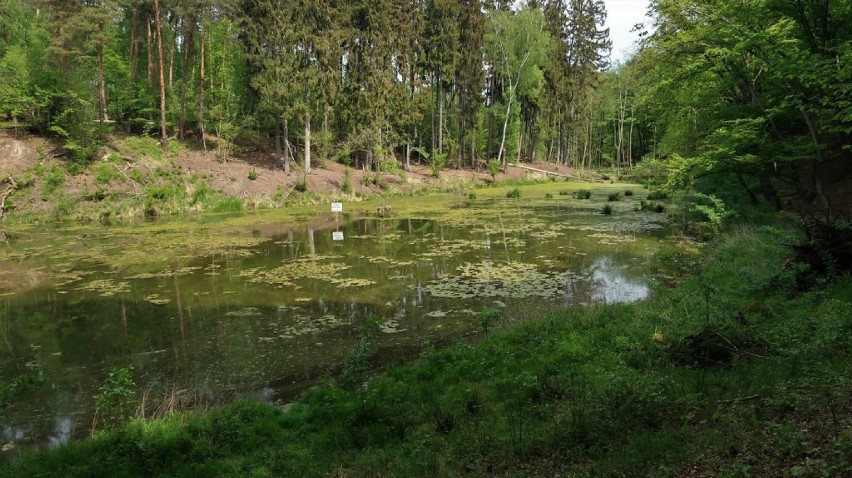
x=505, y=280
x=245, y=312
x=107, y=287
x=307, y=325
x=156, y=299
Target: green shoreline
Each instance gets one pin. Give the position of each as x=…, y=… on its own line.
x=732, y=372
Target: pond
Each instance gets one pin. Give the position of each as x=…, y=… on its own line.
x=265, y=304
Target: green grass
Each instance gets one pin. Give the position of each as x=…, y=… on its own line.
x=732, y=373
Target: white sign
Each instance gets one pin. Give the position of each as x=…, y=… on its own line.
x=337, y=207
x=337, y=236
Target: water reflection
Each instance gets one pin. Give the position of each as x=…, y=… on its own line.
x=270, y=318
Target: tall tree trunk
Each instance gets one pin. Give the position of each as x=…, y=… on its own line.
x=287, y=146
x=134, y=44
x=187, y=56
x=150, y=44
x=201, y=90
x=500, y=152
x=440, y=114
x=163, y=135
x=307, y=130
x=278, y=163
x=172, y=49
x=101, y=85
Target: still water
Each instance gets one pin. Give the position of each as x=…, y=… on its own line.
x=265, y=305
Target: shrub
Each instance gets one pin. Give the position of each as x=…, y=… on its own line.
x=607, y=210
x=116, y=398
x=346, y=186
x=614, y=197
x=548, y=196
x=301, y=185
x=563, y=193
x=493, y=169
x=252, y=175
x=628, y=193
x=514, y=193
x=605, y=177
x=582, y=194
x=104, y=173
x=471, y=195
x=657, y=196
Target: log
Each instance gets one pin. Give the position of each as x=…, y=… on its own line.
x=530, y=168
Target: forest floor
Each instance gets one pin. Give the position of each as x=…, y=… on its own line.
x=132, y=177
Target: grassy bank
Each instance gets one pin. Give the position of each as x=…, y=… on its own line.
x=731, y=372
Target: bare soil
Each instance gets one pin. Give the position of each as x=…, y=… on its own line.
x=21, y=153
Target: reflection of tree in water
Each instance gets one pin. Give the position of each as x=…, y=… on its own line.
x=605, y=281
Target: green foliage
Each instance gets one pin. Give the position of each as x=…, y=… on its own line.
x=548, y=196
x=493, y=168
x=19, y=386
x=116, y=399
x=614, y=197
x=105, y=173
x=346, y=185
x=607, y=210
x=142, y=146
x=225, y=204
x=301, y=185
x=583, y=194
x=628, y=193
x=357, y=368
x=437, y=162
x=713, y=212
x=657, y=196
x=486, y=318
x=514, y=193
x=53, y=177
x=252, y=175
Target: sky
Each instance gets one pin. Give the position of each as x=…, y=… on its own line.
x=621, y=16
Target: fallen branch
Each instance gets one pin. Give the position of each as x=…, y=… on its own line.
x=530, y=168
x=132, y=182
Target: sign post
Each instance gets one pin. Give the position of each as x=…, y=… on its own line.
x=337, y=208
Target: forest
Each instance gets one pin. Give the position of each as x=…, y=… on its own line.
x=667, y=293
x=757, y=92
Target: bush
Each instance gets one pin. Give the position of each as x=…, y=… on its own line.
x=628, y=193
x=346, y=186
x=614, y=197
x=252, y=175
x=514, y=193
x=104, y=173
x=301, y=185
x=471, y=195
x=583, y=194
x=657, y=196
x=607, y=210
x=548, y=196
x=493, y=169
x=116, y=398
x=563, y=193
